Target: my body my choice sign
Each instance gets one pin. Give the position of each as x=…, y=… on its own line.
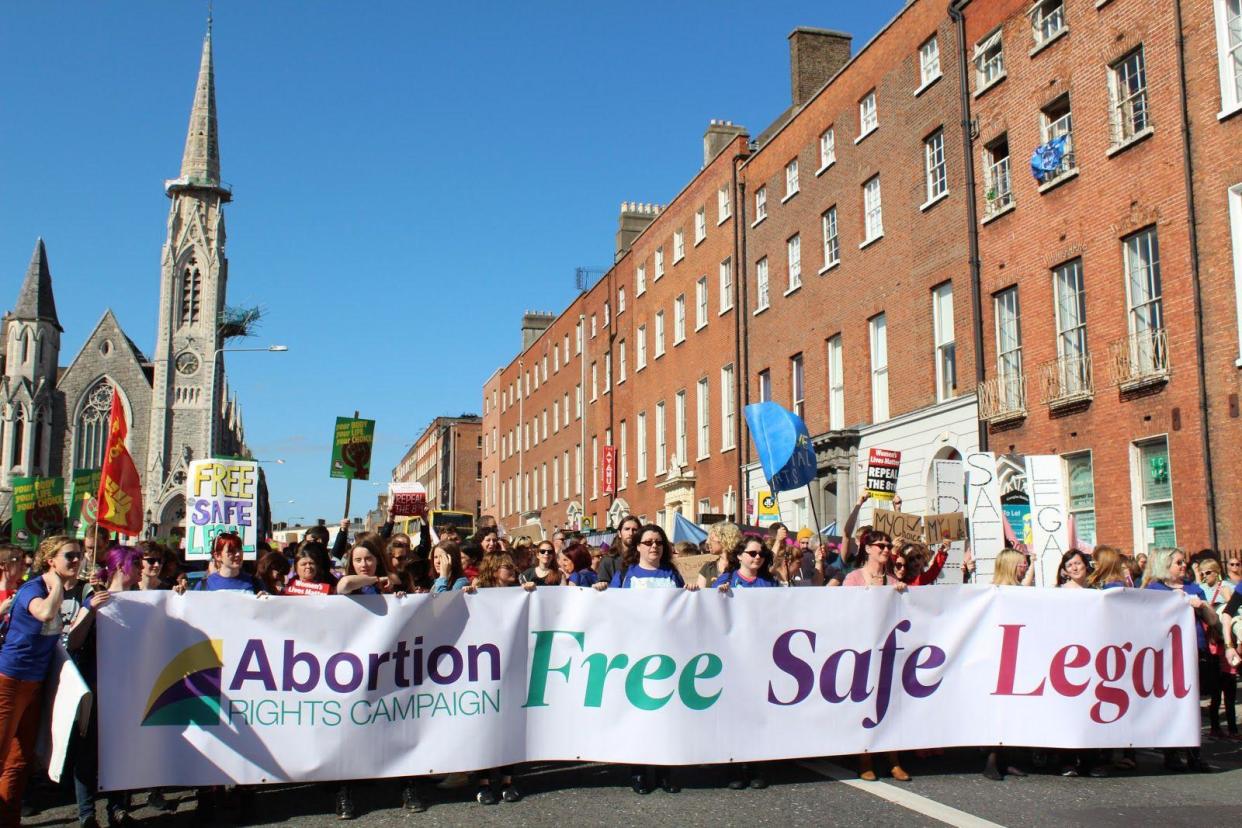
x=221, y=496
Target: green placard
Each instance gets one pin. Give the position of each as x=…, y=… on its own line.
x=82, y=500
x=38, y=509
x=351, y=448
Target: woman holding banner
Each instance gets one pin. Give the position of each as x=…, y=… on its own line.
x=575, y=565
x=749, y=566
x=1110, y=571
x=1074, y=571
x=366, y=571
x=446, y=564
x=876, y=549
x=722, y=539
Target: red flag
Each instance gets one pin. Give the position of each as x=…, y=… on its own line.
x=120, y=490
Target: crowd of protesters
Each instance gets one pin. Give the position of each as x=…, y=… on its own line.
x=52, y=596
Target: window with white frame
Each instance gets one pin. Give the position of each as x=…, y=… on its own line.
x=868, y=119
x=793, y=258
x=929, y=61
x=827, y=148
x=621, y=300
x=727, y=414
x=797, y=385
x=594, y=466
x=791, y=179
x=1235, y=224
x=556, y=359
x=726, y=285
x=566, y=343
x=989, y=61
x=1009, y=350
x=565, y=408
x=1056, y=121
x=942, y=336
x=594, y=381
x=661, y=443
x=723, y=207
x=556, y=417
x=836, y=384
x=761, y=204
x=679, y=319
x=700, y=303
x=640, y=280
x=556, y=478
x=1070, y=313
x=1047, y=20
x=765, y=385
x=607, y=314
x=705, y=506
x=679, y=422
x=577, y=339
x=593, y=325
x=640, y=437
x=607, y=371
x=679, y=245
x=872, y=213
x=659, y=263
x=1144, y=293
x=997, y=187
x=621, y=362
x=700, y=225
x=578, y=468
x=702, y=426
x=1081, y=485
x=640, y=354
x=623, y=458
x=879, y=368
x=1127, y=91
x=565, y=472
x=1228, y=15
x=761, y=284
x=659, y=334
x=578, y=401
x=1155, y=490
x=832, y=242
x=933, y=157
x=544, y=423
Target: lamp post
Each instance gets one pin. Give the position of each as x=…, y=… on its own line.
x=215, y=376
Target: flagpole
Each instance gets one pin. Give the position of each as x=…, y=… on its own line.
x=814, y=515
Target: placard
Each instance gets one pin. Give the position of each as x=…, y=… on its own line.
x=769, y=509
x=351, y=448
x=299, y=587
x=882, y=468
x=897, y=524
x=983, y=509
x=82, y=504
x=949, y=488
x=38, y=509
x=949, y=526
x=407, y=500
x=1045, y=481
x=221, y=496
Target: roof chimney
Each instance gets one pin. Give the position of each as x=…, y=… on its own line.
x=815, y=55
x=634, y=219
x=717, y=137
x=533, y=324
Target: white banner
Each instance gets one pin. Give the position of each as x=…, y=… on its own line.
x=216, y=688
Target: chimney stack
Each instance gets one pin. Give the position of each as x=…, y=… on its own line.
x=815, y=55
x=717, y=137
x=533, y=324
x=634, y=219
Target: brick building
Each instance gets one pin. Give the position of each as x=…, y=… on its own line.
x=1090, y=275
x=447, y=459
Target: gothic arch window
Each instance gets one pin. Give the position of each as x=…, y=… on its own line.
x=19, y=434
x=40, y=427
x=191, y=292
x=91, y=427
x=26, y=347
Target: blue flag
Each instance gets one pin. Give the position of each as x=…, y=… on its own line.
x=1047, y=158
x=783, y=445
x=685, y=530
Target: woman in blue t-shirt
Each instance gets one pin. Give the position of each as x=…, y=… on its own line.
x=649, y=565
x=227, y=575
x=575, y=565
x=1166, y=571
x=749, y=565
x=40, y=615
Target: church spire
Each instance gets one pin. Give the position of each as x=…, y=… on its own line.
x=36, y=302
x=200, y=164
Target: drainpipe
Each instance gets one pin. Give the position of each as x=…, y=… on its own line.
x=958, y=16
x=739, y=220
x=1192, y=226
x=740, y=306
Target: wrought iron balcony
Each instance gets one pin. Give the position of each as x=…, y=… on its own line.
x=1066, y=381
x=1003, y=398
x=1141, y=359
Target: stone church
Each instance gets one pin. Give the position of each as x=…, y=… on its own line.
x=54, y=419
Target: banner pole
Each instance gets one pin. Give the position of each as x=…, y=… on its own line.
x=349, y=485
x=814, y=514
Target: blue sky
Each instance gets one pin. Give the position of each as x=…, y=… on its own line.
x=408, y=178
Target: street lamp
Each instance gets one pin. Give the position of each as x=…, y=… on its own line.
x=275, y=349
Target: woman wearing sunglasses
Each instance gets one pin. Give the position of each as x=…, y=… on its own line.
x=749, y=565
x=544, y=572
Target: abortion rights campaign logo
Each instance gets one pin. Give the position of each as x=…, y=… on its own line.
x=187, y=690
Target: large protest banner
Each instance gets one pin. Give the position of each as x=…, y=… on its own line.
x=217, y=688
x=38, y=509
x=351, y=448
x=221, y=496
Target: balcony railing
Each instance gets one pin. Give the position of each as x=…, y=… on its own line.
x=998, y=190
x=1140, y=359
x=1003, y=398
x=1066, y=381
x=1069, y=163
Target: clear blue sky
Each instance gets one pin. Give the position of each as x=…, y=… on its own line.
x=408, y=178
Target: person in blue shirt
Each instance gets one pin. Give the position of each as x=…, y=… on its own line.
x=447, y=566
x=575, y=564
x=649, y=565
x=226, y=559
x=1166, y=571
x=750, y=565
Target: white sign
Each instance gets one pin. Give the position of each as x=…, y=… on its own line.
x=221, y=496
x=407, y=499
x=983, y=513
x=1045, y=483
x=223, y=688
x=949, y=484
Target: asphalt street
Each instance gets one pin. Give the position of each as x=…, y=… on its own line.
x=946, y=789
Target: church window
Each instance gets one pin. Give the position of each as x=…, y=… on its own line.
x=26, y=347
x=92, y=426
x=191, y=292
x=40, y=423
x=19, y=435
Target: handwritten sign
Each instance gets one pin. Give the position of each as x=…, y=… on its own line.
x=983, y=507
x=882, y=467
x=1045, y=481
x=221, y=496
x=949, y=526
x=351, y=448
x=949, y=485
x=407, y=499
x=897, y=524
